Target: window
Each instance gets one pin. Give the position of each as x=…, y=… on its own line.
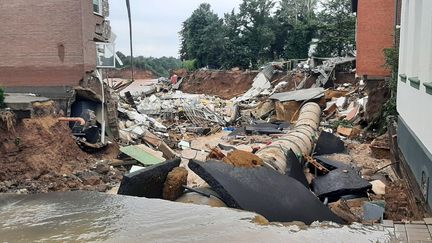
x=105, y=55
x=97, y=7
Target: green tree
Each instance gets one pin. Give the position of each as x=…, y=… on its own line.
x=295, y=26
x=336, y=29
x=2, y=98
x=256, y=29
x=236, y=53
x=202, y=37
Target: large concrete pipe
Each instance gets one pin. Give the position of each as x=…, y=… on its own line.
x=300, y=139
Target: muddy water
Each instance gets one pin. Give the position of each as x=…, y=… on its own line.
x=87, y=216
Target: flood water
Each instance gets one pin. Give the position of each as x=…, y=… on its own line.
x=91, y=216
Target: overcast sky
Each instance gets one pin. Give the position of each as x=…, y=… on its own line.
x=156, y=24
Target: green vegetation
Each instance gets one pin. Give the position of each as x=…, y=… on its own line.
x=2, y=98
x=159, y=66
x=267, y=30
x=190, y=65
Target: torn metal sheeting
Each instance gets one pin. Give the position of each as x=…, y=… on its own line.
x=263, y=190
x=338, y=183
x=147, y=182
x=329, y=144
x=299, y=95
x=143, y=154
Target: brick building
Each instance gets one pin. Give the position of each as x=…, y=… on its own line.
x=375, y=32
x=49, y=46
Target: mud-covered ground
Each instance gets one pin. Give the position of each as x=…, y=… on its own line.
x=40, y=155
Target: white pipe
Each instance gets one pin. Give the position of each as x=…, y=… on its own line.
x=99, y=74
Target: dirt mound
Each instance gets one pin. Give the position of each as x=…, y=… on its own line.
x=40, y=155
x=225, y=84
x=126, y=74
x=240, y=158
x=173, y=187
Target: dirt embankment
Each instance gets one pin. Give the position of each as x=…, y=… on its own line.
x=126, y=74
x=40, y=155
x=225, y=84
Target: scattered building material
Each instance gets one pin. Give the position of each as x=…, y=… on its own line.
x=148, y=182
x=299, y=95
x=340, y=182
x=374, y=211
x=341, y=209
x=253, y=188
x=328, y=144
x=143, y=154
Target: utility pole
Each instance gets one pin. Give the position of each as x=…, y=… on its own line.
x=130, y=38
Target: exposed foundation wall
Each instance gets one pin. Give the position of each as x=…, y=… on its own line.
x=46, y=43
x=375, y=30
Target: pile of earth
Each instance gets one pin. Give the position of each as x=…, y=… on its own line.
x=224, y=84
x=40, y=155
x=126, y=74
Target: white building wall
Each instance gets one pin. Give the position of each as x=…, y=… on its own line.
x=415, y=105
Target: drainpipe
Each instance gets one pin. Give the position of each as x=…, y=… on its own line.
x=300, y=139
x=99, y=75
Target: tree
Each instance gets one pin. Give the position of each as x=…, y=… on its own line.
x=295, y=26
x=337, y=29
x=202, y=37
x=236, y=52
x=255, y=27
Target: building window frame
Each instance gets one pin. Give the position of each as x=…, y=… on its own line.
x=99, y=55
x=99, y=5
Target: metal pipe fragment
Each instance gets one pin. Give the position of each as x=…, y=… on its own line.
x=300, y=139
x=72, y=119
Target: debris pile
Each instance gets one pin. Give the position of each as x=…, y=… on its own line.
x=269, y=150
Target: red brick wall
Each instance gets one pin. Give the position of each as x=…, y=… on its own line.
x=375, y=28
x=45, y=43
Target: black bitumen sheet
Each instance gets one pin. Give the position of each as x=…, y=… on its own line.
x=295, y=168
x=338, y=183
x=329, y=144
x=149, y=181
x=262, y=190
x=332, y=164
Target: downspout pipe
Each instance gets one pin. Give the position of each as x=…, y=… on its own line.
x=300, y=139
x=99, y=75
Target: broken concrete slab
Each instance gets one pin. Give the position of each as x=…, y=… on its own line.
x=374, y=211
x=329, y=144
x=265, y=191
x=143, y=154
x=342, y=209
x=338, y=183
x=148, y=182
x=299, y=95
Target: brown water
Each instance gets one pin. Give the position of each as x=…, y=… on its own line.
x=89, y=216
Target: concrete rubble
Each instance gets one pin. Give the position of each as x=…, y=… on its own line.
x=265, y=138
x=289, y=150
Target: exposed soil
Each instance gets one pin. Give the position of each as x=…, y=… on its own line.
x=173, y=187
x=240, y=158
x=225, y=84
x=40, y=155
x=126, y=74
x=398, y=204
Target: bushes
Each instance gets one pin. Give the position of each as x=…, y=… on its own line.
x=190, y=65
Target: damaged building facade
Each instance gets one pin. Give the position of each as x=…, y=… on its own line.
x=415, y=91
x=57, y=49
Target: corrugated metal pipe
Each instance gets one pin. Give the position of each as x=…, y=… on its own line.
x=300, y=139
